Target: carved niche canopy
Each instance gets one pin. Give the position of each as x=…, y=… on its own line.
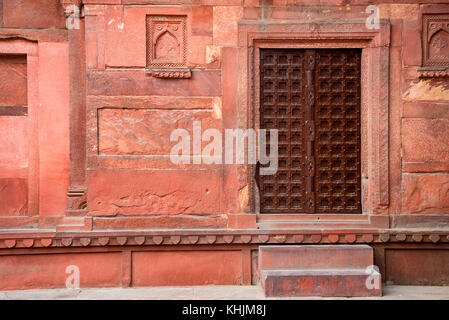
x=167, y=46
x=435, y=39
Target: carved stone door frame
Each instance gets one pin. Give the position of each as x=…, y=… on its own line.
x=374, y=44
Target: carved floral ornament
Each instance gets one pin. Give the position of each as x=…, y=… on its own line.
x=167, y=47
x=435, y=39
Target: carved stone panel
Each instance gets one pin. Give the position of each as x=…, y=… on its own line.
x=435, y=39
x=167, y=46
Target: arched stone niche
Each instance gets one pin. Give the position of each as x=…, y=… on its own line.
x=167, y=46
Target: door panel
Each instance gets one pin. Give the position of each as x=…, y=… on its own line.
x=282, y=108
x=337, y=119
x=313, y=98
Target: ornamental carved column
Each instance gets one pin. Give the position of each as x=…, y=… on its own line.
x=76, y=193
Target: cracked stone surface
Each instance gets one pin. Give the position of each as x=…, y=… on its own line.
x=425, y=193
x=124, y=192
x=146, y=131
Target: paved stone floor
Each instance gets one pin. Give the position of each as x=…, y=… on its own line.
x=204, y=293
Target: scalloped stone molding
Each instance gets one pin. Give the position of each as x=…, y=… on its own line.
x=228, y=238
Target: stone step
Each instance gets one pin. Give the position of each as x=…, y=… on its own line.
x=321, y=282
x=315, y=256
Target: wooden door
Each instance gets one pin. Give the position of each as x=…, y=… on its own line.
x=312, y=97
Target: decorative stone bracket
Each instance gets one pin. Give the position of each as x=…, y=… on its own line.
x=170, y=73
x=433, y=72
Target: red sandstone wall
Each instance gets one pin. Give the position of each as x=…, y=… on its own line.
x=13, y=151
x=34, y=148
x=136, y=114
x=130, y=114
x=36, y=14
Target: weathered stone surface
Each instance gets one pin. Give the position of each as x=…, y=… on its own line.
x=101, y=269
x=418, y=267
x=202, y=21
x=431, y=110
x=54, y=115
x=325, y=270
x=242, y=221
x=196, y=53
x=324, y=283
x=146, y=131
x=14, y=143
x=427, y=221
x=13, y=197
x=153, y=102
x=425, y=193
x=412, y=43
x=136, y=83
x=128, y=24
x=13, y=87
x=315, y=257
x=150, y=192
x=425, y=140
x=161, y=221
x=225, y=25
x=33, y=14
x=399, y=11
x=186, y=268
x=426, y=90
x=316, y=13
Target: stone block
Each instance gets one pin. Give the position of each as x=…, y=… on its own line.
x=136, y=83
x=425, y=140
x=425, y=193
x=43, y=271
x=187, y=268
x=13, y=87
x=202, y=21
x=180, y=221
x=411, y=38
x=323, y=283
x=429, y=110
x=33, y=14
x=315, y=257
x=146, y=131
x=54, y=135
x=14, y=142
x=425, y=89
x=423, y=267
x=153, y=192
x=13, y=197
x=225, y=25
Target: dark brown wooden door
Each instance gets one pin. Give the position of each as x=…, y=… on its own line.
x=313, y=98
